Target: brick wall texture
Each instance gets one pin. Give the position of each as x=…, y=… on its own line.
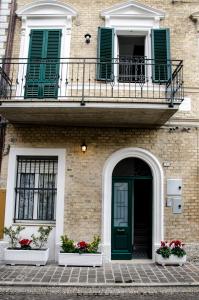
x=83, y=179
x=83, y=188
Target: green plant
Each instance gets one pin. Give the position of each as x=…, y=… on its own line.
x=175, y=247
x=178, y=252
x=165, y=251
x=13, y=234
x=67, y=244
x=41, y=240
x=94, y=245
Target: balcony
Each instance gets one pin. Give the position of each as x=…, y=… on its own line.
x=127, y=91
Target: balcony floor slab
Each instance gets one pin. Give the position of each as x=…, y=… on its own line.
x=91, y=114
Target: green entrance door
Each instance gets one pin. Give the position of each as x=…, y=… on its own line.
x=131, y=218
x=122, y=219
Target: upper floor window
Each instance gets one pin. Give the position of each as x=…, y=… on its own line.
x=36, y=188
x=131, y=58
x=135, y=64
x=45, y=37
x=133, y=41
x=43, y=64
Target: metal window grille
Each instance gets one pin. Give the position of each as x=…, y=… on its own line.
x=36, y=188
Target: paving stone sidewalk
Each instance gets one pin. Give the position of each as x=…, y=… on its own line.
x=109, y=274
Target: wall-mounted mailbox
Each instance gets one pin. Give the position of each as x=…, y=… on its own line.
x=174, y=187
x=177, y=205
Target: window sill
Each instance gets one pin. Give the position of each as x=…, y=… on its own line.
x=34, y=223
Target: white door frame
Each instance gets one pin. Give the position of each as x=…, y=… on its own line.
x=158, y=196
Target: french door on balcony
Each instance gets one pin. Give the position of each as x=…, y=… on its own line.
x=134, y=62
x=42, y=74
x=132, y=58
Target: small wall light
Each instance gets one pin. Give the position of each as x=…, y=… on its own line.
x=84, y=147
x=88, y=38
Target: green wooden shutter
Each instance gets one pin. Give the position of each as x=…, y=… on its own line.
x=51, y=68
x=34, y=68
x=105, y=54
x=43, y=64
x=161, y=55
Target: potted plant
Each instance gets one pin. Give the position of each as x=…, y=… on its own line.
x=172, y=253
x=27, y=251
x=80, y=254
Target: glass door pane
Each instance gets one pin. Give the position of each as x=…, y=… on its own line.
x=121, y=219
x=121, y=204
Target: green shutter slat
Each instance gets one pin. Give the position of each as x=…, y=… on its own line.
x=36, y=43
x=43, y=64
x=33, y=75
x=51, y=72
x=161, y=55
x=105, y=52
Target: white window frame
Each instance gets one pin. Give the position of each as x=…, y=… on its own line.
x=147, y=47
x=45, y=15
x=35, y=204
x=11, y=180
x=136, y=19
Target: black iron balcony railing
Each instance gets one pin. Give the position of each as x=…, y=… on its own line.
x=124, y=79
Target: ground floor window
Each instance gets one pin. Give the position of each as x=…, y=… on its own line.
x=36, y=188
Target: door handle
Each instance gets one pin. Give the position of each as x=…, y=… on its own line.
x=120, y=230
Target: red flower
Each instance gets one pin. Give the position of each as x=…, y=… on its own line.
x=163, y=244
x=175, y=243
x=25, y=242
x=82, y=245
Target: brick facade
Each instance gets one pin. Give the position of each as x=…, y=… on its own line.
x=83, y=190
x=179, y=146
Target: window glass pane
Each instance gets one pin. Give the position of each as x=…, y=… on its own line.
x=36, y=188
x=121, y=204
x=26, y=196
x=46, y=196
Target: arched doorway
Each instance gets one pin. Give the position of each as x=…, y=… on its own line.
x=157, y=196
x=131, y=213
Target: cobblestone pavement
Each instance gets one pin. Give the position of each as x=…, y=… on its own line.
x=109, y=274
